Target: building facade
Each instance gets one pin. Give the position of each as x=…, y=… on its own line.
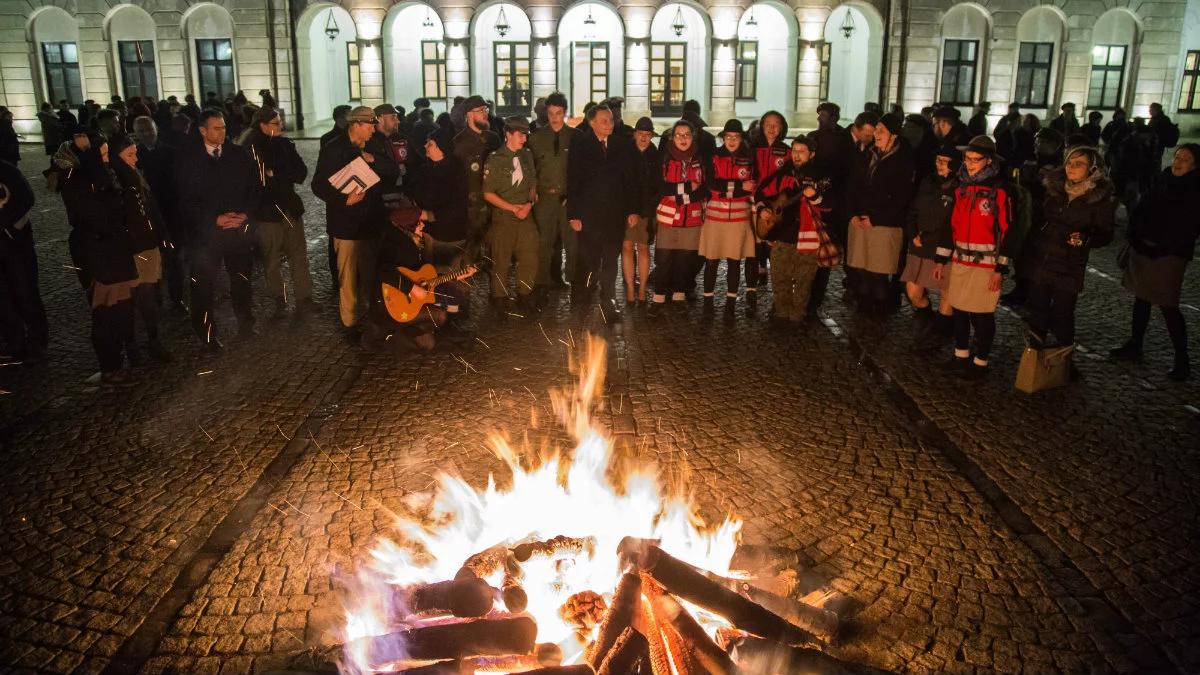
x=736, y=59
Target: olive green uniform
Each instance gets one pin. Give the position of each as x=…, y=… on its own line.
x=550, y=213
x=471, y=150
x=508, y=237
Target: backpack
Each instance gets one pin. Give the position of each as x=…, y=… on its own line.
x=1169, y=135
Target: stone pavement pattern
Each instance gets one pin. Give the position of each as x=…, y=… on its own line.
x=110, y=494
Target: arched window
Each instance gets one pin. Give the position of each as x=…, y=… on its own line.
x=1039, y=36
x=765, y=59
x=131, y=32
x=965, y=31
x=591, y=54
x=415, y=52
x=851, y=57
x=679, y=58
x=55, y=35
x=1113, y=39
x=327, y=44
x=209, y=30
x=503, y=62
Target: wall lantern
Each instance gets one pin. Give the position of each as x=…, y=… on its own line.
x=331, y=27
x=677, y=24
x=751, y=22
x=428, y=22
x=848, y=23
x=502, y=23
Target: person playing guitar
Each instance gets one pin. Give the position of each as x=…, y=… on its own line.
x=409, y=295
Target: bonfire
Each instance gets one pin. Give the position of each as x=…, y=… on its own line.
x=583, y=563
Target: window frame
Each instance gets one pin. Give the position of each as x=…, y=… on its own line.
x=1193, y=92
x=956, y=64
x=505, y=109
x=826, y=53
x=594, y=93
x=1107, y=68
x=666, y=108
x=1023, y=94
x=353, y=71
x=63, y=68
x=137, y=68
x=739, y=77
x=217, y=63
x=439, y=65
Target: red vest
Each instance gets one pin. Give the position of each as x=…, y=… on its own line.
x=770, y=159
x=677, y=209
x=979, y=222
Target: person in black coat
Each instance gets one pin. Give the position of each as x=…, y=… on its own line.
x=23, y=324
x=52, y=130
x=927, y=229
x=219, y=189
x=603, y=203
x=280, y=216
x=1162, y=240
x=10, y=148
x=1078, y=210
x=156, y=160
x=107, y=255
x=439, y=188
x=635, y=250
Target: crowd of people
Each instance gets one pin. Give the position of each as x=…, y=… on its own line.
x=924, y=207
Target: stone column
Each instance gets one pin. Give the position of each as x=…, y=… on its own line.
x=637, y=60
x=456, y=22
x=368, y=22
x=544, y=22
x=725, y=20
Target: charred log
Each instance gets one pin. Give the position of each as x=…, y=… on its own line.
x=465, y=597
x=617, y=618
x=630, y=648
x=482, y=637
x=559, y=545
x=694, y=641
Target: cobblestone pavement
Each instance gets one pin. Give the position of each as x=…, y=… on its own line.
x=191, y=524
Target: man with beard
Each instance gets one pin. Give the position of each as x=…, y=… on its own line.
x=948, y=126
x=390, y=149
x=602, y=184
x=472, y=145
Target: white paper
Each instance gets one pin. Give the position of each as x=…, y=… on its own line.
x=356, y=176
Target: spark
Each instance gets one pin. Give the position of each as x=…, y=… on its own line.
x=539, y=325
x=142, y=258
x=482, y=343
x=277, y=509
x=516, y=368
x=281, y=432
x=71, y=267
x=206, y=433
x=243, y=276
x=519, y=316
x=205, y=372
x=285, y=501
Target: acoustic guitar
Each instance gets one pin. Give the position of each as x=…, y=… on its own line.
x=402, y=307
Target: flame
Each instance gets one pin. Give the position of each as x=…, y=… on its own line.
x=589, y=494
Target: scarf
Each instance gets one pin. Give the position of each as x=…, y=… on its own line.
x=1076, y=189
x=986, y=173
x=878, y=156
x=683, y=156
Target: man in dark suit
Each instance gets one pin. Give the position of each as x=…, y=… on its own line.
x=219, y=189
x=602, y=202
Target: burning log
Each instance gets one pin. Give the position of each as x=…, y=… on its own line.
x=545, y=654
x=481, y=637
x=464, y=597
x=559, y=545
x=618, y=617
x=439, y=668
x=656, y=643
x=761, y=560
x=757, y=655
x=820, y=622
x=630, y=647
x=580, y=669
x=682, y=580
x=485, y=563
x=692, y=638
x=514, y=596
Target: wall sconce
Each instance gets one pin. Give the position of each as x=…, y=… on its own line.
x=751, y=22
x=848, y=23
x=502, y=25
x=331, y=28
x=677, y=23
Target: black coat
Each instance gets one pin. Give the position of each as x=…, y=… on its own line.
x=18, y=201
x=143, y=219
x=159, y=169
x=10, y=149
x=210, y=187
x=105, y=249
x=883, y=193
x=1053, y=261
x=441, y=187
x=359, y=221
x=1167, y=220
x=282, y=171
x=602, y=184
x=929, y=215
x=648, y=165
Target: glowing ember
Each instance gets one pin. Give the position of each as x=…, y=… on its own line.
x=588, y=495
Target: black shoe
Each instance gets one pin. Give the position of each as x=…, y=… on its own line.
x=610, y=312
x=159, y=352
x=655, y=309
x=1130, y=351
x=117, y=378
x=280, y=309
x=1181, y=371
x=974, y=372
x=709, y=305
x=960, y=364
x=527, y=306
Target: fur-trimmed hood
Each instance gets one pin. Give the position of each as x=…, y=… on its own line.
x=1054, y=178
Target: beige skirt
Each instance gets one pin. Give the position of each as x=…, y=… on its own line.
x=875, y=249
x=969, y=289
x=149, y=266
x=640, y=233
x=107, y=295
x=719, y=239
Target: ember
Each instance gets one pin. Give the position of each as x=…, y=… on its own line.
x=581, y=566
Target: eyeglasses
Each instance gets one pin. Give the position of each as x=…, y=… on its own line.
x=976, y=159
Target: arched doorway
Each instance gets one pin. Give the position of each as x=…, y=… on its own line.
x=1115, y=39
x=502, y=63
x=54, y=36
x=414, y=55
x=765, y=60
x=591, y=54
x=326, y=42
x=680, y=61
x=855, y=37
x=208, y=30
x=131, y=32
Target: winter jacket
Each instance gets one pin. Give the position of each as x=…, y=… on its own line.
x=979, y=224
x=1167, y=220
x=10, y=148
x=770, y=158
x=647, y=165
x=929, y=216
x=209, y=187
x=353, y=222
x=105, y=248
x=142, y=216
x=797, y=224
x=441, y=187
x=280, y=169
x=16, y=201
x=601, y=184
x=1054, y=261
x=728, y=200
x=882, y=188
x=158, y=165
x=680, y=205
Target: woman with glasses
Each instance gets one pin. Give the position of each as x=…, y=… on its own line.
x=1077, y=216
x=679, y=215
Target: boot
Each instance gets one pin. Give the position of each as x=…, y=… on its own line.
x=1130, y=351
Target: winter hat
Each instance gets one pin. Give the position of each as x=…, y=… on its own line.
x=405, y=216
x=984, y=145
x=733, y=126
x=644, y=124
x=946, y=112
x=952, y=153
x=892, y=122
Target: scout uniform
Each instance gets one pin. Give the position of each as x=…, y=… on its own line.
x=512, y=176
x=549, y=150
x=471, y=150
